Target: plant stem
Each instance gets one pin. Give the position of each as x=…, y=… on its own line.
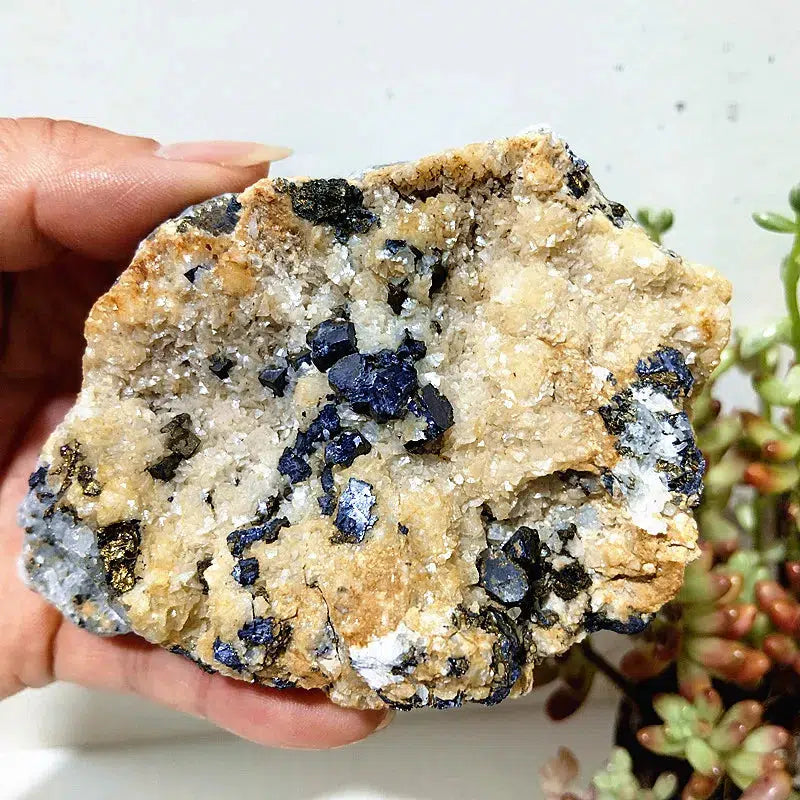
x=627, y=687
x=790, y=276
x=766, y=406
x=758, y=527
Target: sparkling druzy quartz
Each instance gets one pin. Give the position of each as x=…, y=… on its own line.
x=397, y=438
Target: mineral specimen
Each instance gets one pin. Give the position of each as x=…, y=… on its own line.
x=398, y=437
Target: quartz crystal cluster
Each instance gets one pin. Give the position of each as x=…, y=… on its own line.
x=398, y=437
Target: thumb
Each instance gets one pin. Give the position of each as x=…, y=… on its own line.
x=71, y=187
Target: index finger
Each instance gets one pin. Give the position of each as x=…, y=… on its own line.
x=71, y=187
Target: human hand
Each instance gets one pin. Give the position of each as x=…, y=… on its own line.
x=74, y=202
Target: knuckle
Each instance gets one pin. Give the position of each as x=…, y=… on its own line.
x=20, y=139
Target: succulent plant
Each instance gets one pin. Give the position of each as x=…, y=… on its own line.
x=716, y=742
x=703, y=632
x=711, y=690
x=617, y=781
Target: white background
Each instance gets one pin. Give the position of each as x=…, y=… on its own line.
x=692, y=105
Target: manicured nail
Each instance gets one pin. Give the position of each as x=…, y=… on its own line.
x=390, y=715
x=226, y=154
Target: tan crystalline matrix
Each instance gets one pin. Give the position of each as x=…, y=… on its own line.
x=484, y=455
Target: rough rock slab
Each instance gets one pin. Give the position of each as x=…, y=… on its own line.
x=396, y=437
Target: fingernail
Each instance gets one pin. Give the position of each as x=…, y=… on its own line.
x=226, y=154
x=385, y=722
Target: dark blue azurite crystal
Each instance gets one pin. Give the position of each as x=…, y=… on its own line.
x=354, y=514
x=239, y=540
x=444, y=705
x=225, y=654
x=281, y=683
x=379, y=384
x=327, y=503
x=322, y=429
x=292, y=462
x=330, y=341
x=411, y=349
x=245, y=571
x=457, y=666
x=687, y=478
x=502, y=578
x=659, y=440
x=326, y=479
x=400, y=247
x=524, y=545
x=37, y=477
x=433, y=407
x=259, y=631
x=293, y=466
x=345, y=447
x=666, y=369
x=266, y=632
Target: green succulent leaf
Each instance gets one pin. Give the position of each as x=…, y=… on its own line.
x=781, y=392
x=665, y=787
x=741, y=779
x=755, y=340
x=776, y=223
x=672, y=708
x=745, y=514
x=703, y=758
x=765, y=739
x=794, y=198
x=716, y=526
x=719, y=435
